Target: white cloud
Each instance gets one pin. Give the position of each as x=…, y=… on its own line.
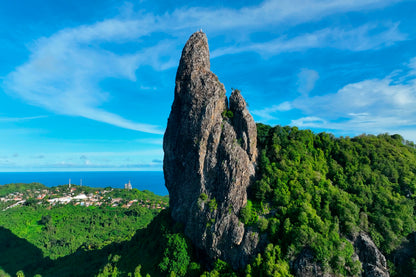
x=64, y=70
x=18, y=119
x=269, y=13
x=72, y=161
x=310, y=121
x=266, y=113
x=356, y=125
x=306, y=80
x=155, y=141
x=369, y=98
x=365, y=37
x=412, y=65
x=369, y=106
x=148, y=152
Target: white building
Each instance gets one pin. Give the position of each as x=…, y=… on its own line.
x=128, y=185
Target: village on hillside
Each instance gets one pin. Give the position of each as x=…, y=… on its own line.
x=82, y=196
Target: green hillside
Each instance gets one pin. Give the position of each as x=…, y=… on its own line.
x=316, y=190
x=19, y=187
x=313, y=191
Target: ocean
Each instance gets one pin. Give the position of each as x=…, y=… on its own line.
x=141, y=180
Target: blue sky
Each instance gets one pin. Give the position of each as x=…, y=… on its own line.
x=88, y=85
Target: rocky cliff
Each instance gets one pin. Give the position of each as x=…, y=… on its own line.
x=210, y=153
x=372, y=260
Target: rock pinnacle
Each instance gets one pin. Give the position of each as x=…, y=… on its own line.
x=210, y=153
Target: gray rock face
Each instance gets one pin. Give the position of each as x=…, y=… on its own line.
x=373, y=261
x=306, y=266
x=209, y=158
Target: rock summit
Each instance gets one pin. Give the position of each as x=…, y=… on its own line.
x=210, y=154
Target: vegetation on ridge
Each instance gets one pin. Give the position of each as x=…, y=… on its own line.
x=313, y=191
x=316, y=190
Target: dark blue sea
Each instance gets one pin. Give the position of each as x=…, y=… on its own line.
x=141, y=180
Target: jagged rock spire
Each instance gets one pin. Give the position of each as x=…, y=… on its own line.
x=209, y=158
x=195, y=55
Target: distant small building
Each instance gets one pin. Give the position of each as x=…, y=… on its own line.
x=128, y=186
x=81, y=196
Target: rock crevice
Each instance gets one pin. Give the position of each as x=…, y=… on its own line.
x=209, y=160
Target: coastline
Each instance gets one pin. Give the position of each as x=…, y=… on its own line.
x=141, y=180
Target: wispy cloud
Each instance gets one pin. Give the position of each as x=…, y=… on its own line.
x=18, y=119
x=268, y=13
x=148, y=152
x=148, y=159
x=64, y=70
x=9, y=166
x=368, y=98
x=372, y=106
x=155, y=141
x=306, y=80
x=266, y=113
x=366, y=37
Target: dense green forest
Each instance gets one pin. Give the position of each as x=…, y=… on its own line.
x=316, y=190
x=313, y=191
x=62, y=230
x=59, y=231
x=20, y=187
